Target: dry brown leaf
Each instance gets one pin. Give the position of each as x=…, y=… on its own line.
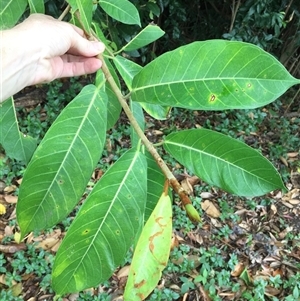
x=216, y=223
x=238, y=269
x=123, y=272
x=284, y=161
x=48, y=243
x=206, y=195
x=210, y=209
x=174, y=241
x=272, y=291
x=204, y=294
x=10, y=189
x=11, y=199
x=187, y=186
x=286, y=204
x=293, y=154
x=294, y=201
x=274, y=209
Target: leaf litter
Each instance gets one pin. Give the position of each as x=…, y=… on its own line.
x=263, y=235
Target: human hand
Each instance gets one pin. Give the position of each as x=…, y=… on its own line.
x=41, y=49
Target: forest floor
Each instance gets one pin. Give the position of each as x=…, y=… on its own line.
x=244, y=249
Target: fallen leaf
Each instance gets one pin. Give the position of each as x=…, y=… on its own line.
x=238, y=269
x=11, y=199
x=2, y=209
x=123, y=272
x=16, y=289
x=210, y=209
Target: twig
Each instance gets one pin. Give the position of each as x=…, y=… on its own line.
x=166, y=171
x=235, y=9
x=64, y=13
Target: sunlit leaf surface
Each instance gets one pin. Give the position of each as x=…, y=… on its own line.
x=63, y=163
x=213, y=75
x=105, y=227
x=151, y=253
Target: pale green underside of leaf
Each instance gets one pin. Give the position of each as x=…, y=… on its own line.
x=148, y=35
x=224, y=162
x=10, y=12
x=151, y=253
x=15, y=144
x=72, y=146
x=128, y=70
x=113, y=105
x=104, y=228
x=213, y=75
x=121, y=10
x=155, y=184
x=86, y=12
x=138, y=114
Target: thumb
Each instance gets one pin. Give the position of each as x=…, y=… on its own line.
x=84, y=47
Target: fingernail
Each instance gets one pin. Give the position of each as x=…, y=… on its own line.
x=99, y=46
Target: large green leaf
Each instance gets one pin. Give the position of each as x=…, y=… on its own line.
x=223, y=161
x=64, y=161
x=121, y=10
x=148, y=35
x=155, y=184
x=128, y=70
x=113, y=105
x=85, y=8
x=10, y=12
x=151, y=253
x=138, y=114
x=213, y=75
x=15, y=144
x=105, y=228
x=36, y=6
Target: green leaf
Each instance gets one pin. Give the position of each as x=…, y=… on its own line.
x=213, y=75
x=86, y=13
x=15, y=144
x=224, y=162
x=121, y=10
x=105, y=227
x=11, y=11
x=128, y=70
x=63, y=163
x=155, y=184
x=148, y=35
x=156, y=111
x=151, y=253
x=36, y=6
x=138, y=114
x=113, y=106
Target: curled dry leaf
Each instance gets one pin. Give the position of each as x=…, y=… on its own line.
x=210, y=209
x=238, y=269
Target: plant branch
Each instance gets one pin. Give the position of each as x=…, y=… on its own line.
x=166, y=171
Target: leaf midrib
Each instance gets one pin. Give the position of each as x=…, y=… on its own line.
x=122, y=183
x=68, y=151
x=181, y=81
x=217, y=158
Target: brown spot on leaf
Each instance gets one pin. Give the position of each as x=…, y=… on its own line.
x=212, y=98
x=140, y=284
